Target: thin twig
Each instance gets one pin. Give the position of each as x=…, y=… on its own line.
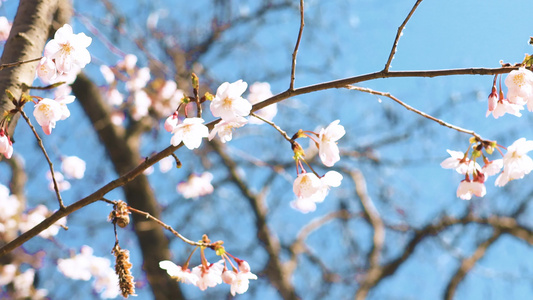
x=423, y=114
x=281, y=131
x=56, y=187
x=18, y=63
x=293, y=68
x=167, y=227
x=398, y=35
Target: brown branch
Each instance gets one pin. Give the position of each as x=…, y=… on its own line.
x=295, y=53
x=399, y=34
x=50, y=165
x=507, y=225
x=374, y=218
x=468, y=263
x=423, y=114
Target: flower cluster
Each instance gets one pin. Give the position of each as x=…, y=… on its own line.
x=208, y=275
x=64, y=56
x=519, y=93
x=309, y=188
x=515, y=164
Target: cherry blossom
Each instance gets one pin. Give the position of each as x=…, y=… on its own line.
x=196, y=186
x=9, y=205
x=62, y=184
x=328, y=150
x=141, y=105
x=520, y=87
x=7, y=273
x=128, y=63
x=5, y=28
x=309, y=189
x=68, y=49
x=260, y=91
x=73, y=167
x=179, y=273
x=114, y=97
x=209, y=276
x=241, y=282
x=6, y=146
x=492, y=167
x=46, y=70
x=166, y=164
x=85, y=266
x=138, y=79
x=190, y=132
x=516, y=164
x=503, y=106
x=171, y=122
x=224, y=128
x=63, y=101
x=47, y=112
x=468, y=188
x=36, y=216
x=459, y=162
x=228, y=103
x=108, y=74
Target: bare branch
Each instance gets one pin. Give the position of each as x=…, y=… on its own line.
x=398, y=35
x=295, y=53
x=50, y=165
x=423, y=114
x=468, y=263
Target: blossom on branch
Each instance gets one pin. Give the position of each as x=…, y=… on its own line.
x=228, y=103
x=73, y=167
x=516, y=164
x=327, y=144
x=68, y=49
x=47, y=112
x=190, y=132
x=179, y=273
x=6, y=146
x=309, y=189
x=224, y=128
x=460, y=162
x=520, y=87
x=208, y=276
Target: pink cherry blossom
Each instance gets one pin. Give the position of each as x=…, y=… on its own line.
x=224, y=128
x=68, y=49
x=196, y=186
x=47, y=112
x=6, y=146
x=516, y=164
x=306, y=185
x=73, y=167
x=128, y=63
x=209, y=276
x=191, y=132
x=241, y=282
x=171, y=122
x=36, y=216
x=5, y=28
x=138, y=79
x=228, y=103
x=492, y=167
x=520, y=86
x=108, y=74
x=166, y=164
x=309, y=189
x=327, y=145
x=260, y=91
x=468, y=188
x=141, y=105
x=63, y=101
x=503, y=106
x=460, y=163
x=493, y=99
x=46, y=70
x=179, y=273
